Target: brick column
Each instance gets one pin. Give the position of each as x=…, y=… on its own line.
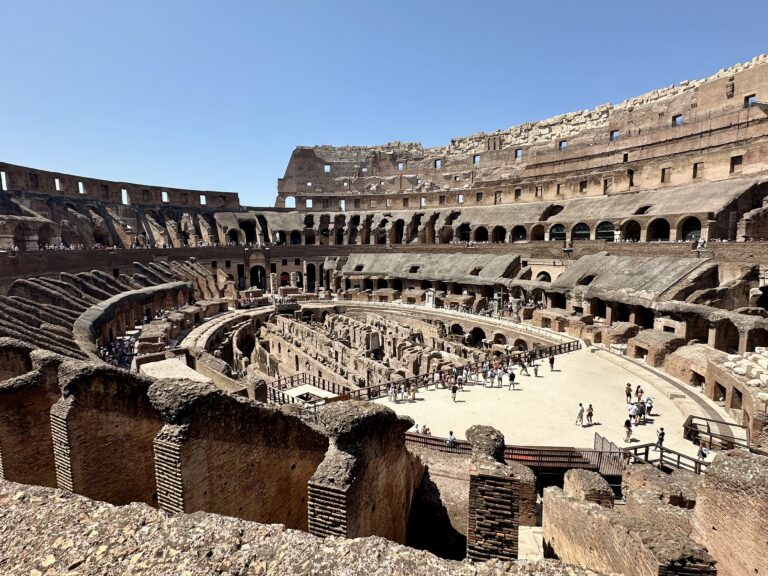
x=501, y=497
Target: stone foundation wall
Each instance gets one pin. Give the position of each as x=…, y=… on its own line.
x=588, y=535
x=731, y=514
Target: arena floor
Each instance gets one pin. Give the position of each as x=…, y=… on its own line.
x=542, y=411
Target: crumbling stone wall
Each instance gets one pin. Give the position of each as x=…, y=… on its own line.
x=731, y=514
x=103, y=431
x=366, y=483
x=585, y=534
x=26, y=444
x=228, y=455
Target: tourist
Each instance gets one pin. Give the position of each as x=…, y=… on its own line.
x=523, y=367
x=660, y=439
x=627, y=430
x=634, y=413
x=648, y=406
x=451, y=441
x=590, y=413
x=535, y=369
x=454, y=389
x=703, y=452
x=580, y=416
x=551, y=362
x=499, y=377
x=628, y=392
x=511, y=375
x=639, y=393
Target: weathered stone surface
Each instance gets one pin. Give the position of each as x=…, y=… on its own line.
x=53, y=532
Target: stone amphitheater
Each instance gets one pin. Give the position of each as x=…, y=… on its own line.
x=193, y=386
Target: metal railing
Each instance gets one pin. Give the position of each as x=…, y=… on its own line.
x=666, y=457
x=699, y=428
x=535, y=457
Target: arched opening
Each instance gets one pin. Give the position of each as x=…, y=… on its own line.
x=20, y=235
x=630, y=231
x=521, y=345
x=499, y=339
x=290, y=202
x=299, y=279
x=604, y=231
x=44, y=234
x=258, y=277
x=233, y=235
x=446, y=235
x=100, y=237
x=464, y=232
x=543, y=277
x=457, y=330
x=249, y=231
x=280, y=237
x=597, y=307
x=295, y=238
x=557, y=232
x=585, y=280
x=381, y=283
x=481, y=234
x=475, y=336
x=658, y=230
x=498, y=235
x=311, y=279
x=519, y=234
x=756, y=337
x=690, y=229
x=339, y=235
x=367, y=284
x=397, y=284
x=397, y=232
x=309, y=237
x=537, y=232
x=285, y=279
x=580, y=232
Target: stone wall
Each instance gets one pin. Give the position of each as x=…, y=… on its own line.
x=366, y=483
x=731, y=514
x=588, y=535
x=223, y=454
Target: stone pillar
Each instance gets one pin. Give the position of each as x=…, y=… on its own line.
x=273, y=285
x=502, y=497
x=293, y=279
x=304, y=276
x=365, y=485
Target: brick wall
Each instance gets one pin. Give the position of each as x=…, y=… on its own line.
x=587, y=535
x=731, y=514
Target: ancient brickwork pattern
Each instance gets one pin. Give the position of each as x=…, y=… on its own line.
x=493, y=518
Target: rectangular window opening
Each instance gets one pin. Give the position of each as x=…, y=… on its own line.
x=423, y=202
x=562, y=145
x=400, y=166
x=479, y=197
x=538, y=192
x=607, y=183
x=438, y=164
x=364, y=169
x=698, y=169
x=518, y=153
x=677, y=120
x=309, y=184
x=3, y=182
x=750, y=100
x=476, y=159
x=389, y=202
x=497, y=197
x=736, y=162
x=413, y=269
x=57, y=184
x=227, y=263
x=202, y=200
x=441, y=200
x=124, y=196
x=34, y=181
x=557, y=191
x=327, y=168
x=518, y=193
x=625, y=158
x=164, y=196
x=583, y=185
x=666, y=174
x=615, y=135
x=308, y=203
x=342, y=205
x=405, y=202
x=81, y=188
x=460, y=198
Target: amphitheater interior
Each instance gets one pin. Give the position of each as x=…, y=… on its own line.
x=189, y=385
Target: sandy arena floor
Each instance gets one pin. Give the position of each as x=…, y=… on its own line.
x=542, y=411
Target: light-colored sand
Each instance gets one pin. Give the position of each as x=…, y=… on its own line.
x=542, y=411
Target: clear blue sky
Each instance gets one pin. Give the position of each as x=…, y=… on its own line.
x=215, y=95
